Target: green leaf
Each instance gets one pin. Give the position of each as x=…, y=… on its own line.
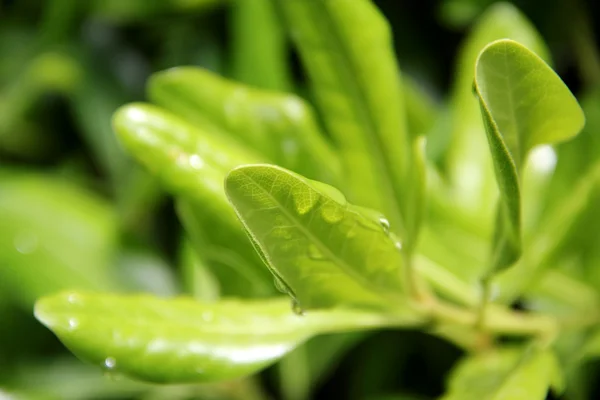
x=124, y=11
x=469, y=165
x=198, y=280
x=524, y=104
x=228, y=253
x=259, y=46
x=553, y=235
x=422, y=109
x=357, y=86
x=325, y=251
x=280, y=127
x=53, y=236
x=308, y=366
x=504, y=374
x=182, y=340
x=192, y=165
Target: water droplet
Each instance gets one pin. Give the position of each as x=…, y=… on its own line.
x=196, y=162
x=73, y=323
x=296, y=308
x=385, y=224
x=280, y=285
x=110, y=363
x=543, y=159
x=314, y=253
x=74, y=298
x=398, y=245
x=207, y=316
x=26, y=242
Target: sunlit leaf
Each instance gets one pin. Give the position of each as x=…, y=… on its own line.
x=524, y=104
x=325, y=251
x=281, y=127
x=182, y=340
x=357, y=85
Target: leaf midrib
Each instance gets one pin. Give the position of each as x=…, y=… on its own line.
x=357, y=97
x=314, y=239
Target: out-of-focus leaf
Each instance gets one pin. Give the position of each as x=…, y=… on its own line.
x=238, y=269
x=46, y=72
x=69, y=379
x=182, y=340
x=279, y=126
x=132, y=10
x=93, y=103
x=422, y=109
x=198, y=280
x=324, y=251
x=468, y=163
x=504, y=374
x=146, y=271
x=306, y=367
x=54, y=236
x=564, y=296
x=524, y=104
x=446, y=283
x=552, y=236
x=259, y=45
x=357, y=86
x=192, y=165
x=460, y=13
x=188, y=161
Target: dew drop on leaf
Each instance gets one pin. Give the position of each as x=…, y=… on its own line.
x=207, y=316
x=296, y=308
x=385, y=224
x=25, y=242
x=110, y=363
x=73, y=323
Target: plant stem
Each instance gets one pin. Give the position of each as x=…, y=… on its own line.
x=416, y=285
x=483, y=303
x=498, y=321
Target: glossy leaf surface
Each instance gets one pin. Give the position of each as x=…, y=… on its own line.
x=524, y=104
x=182, y=340
x=357, y=86
x=192, y=165
x=502, y=375
x=323, y=250
x=468, y=164
x=280, y=127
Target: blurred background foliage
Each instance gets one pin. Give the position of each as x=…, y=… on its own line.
x=75, y=212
